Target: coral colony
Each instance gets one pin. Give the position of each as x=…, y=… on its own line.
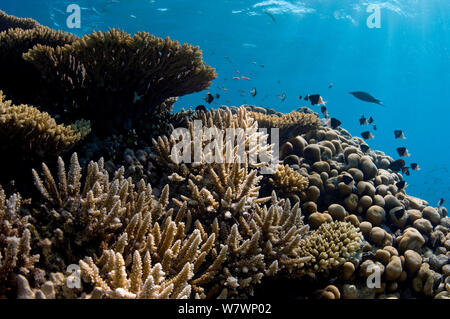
x=95, y=204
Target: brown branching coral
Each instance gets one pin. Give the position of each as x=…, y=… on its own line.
x=19, y=79
x=15, y=242
x=26, y=130
x=290, y=125
x=289, y=183
x=113, y=78
x=12, y=22
x=330, y=246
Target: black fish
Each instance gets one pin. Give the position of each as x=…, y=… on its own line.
x=415, y=167
x=300, y=97
x=347, y=179
x=362, y=120
x=316, y=99
x=367, y=135
x=441, y=201
x=201, y=108
x=270, y=15
x=370, y=120
x=331, y=85
x=364, y=147
x=399, y=213
x=397, y=165
x=374, y=127
x=399, y=134
x=217, y=95
x=324, y=111
x=333, y=123
x=306, y=98
x=400, y=185
x=402, y=151
x=366, y=97
x=405, y=170
x=253, y=92
x=209, y=98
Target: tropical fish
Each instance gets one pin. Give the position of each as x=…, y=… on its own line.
x=397, y=165
x=333, y=123
x=441, y=201
x=316, y=99
x=306, y=98
x=402, y=151
x=208, y=98
x=362, y=120
x=217, y=96
x=399, y=134
x=400, y=185
x=236, y=78
x=245, y=78
x=415, y=167
x=200, y=108
x=282, y=97
x=330, y=85
x=367, y=135
x=300, y=97
x=405, y=170
x=324, y=111
x=366, y=97
x=370, y=120
x=364, y=147
x=253, y=92
x=237, y=71
x=374, y=127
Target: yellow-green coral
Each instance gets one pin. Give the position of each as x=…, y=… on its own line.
x=288, y=182
x=26, y=130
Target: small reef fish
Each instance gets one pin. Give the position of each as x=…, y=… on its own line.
x=364, y=147
x=208, y=98
x=367, y=135
x=200, y=108
x=401, y=185
x=217, y=96
x=245, y=78
x=366, y=97
x=441, y=201
x=415, y=167
x=405, y=170
x=316, y=99
x=330, y=85
x=324, y=111
x=333, y=123
x=402, y=151
x=237, y=71
x=399, y=134
x=300, y=97
x=132, y=16
x=262, y=65
x=282, y=97
x=370, y=120
x=363, y=120
x=306, y=98
x=253, y=92
x=374, y=127
x=397, y=165
x=236, y=78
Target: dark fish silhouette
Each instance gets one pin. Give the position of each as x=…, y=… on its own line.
x=282, y=97
x=364, y=147
x=333, y=123
x=402, y=151
x=362, y=120
x=300, y=97
x=209, y=98
x=366, y=97
x=270, y=15
x=253, y=92
x=415, y=167
x=399, y=134
x=374, y=127
x=367, y=135
x=316, y=99
x=441, y=201
x=397, y=165
x=217, y=96
x=370, y=120
x=324, y=111
x=200, y=108
x=400, y=185
x=347, y=179
x=405, y=170
x=306, y=98
x=331, y=85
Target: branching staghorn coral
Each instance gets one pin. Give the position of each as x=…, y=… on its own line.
x=12, y=22
x=330, y=246
x=223, y=181
x=290, y=125
x=26, y=130
x=15, y=243
x=19, y=79
x=113, y=78
x=289, y=183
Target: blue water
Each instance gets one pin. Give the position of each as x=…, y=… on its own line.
x=405, y=63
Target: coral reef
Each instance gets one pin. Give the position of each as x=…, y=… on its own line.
x=12, y=22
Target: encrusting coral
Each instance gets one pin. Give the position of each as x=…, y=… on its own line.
x=113, y=78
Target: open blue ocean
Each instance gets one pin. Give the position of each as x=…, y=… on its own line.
x=300, y=47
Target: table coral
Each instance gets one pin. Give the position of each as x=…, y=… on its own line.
x=11, y=22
